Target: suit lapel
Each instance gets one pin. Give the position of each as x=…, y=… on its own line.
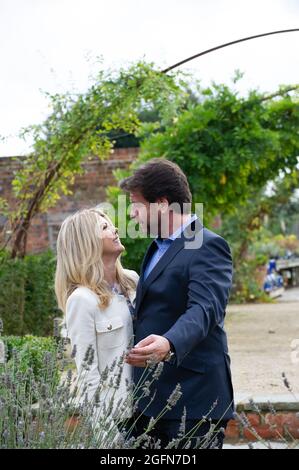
x=175, y=247
x=147, y=255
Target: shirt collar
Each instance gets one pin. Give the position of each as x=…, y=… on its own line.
x=167, y=241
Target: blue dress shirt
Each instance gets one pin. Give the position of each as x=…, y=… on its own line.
x=164, y=244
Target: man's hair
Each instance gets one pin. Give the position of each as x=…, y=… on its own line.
x=159, y=178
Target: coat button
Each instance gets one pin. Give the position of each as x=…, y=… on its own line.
x=109, y=327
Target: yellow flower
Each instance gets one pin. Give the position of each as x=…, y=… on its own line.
x=223, y=179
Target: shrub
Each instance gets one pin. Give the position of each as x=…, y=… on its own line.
x=27, y=302
x=31, y=352
x=38, y=412
x=247, y=283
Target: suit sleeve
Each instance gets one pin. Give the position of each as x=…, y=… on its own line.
x=81, y=331
x=210, y=278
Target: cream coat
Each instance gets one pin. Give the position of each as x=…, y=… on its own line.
x=109, y=332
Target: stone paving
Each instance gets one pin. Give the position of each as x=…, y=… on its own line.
x=264, y=343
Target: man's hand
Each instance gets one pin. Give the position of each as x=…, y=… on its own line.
x=152, y=348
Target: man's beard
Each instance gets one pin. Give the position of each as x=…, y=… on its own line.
x=154, y=231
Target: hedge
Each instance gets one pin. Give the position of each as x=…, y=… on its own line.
x=27, y=301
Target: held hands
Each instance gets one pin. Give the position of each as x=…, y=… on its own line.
x=153, y=348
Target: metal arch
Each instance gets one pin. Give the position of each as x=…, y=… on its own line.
x=226, y=45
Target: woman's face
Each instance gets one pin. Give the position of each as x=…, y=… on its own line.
x=111, y=241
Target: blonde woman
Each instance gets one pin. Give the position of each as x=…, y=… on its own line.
x=96, y=295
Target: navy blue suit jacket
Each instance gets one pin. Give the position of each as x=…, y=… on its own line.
x=184, y=299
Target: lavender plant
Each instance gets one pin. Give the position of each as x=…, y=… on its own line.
x=39, y=411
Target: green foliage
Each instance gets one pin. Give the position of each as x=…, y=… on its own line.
x=271, y=246
x=283, y=213
x=264, y=209
x=248, y=282
x=257, y=245
x=42, y=409
x=79, y=126
x=32, y=352
x=135, y=251
x=27, y=302
x=229, y=146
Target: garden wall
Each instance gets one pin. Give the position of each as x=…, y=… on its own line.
x=88, y=190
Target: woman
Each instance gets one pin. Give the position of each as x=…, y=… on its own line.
x=96, y=294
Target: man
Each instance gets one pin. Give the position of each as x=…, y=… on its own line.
x=181, y=298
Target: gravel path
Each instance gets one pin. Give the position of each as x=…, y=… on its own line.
x=262, y=343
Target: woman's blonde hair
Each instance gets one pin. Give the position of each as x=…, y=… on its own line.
x=79, y=258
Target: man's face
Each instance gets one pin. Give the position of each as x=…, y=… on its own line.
x=144, y=213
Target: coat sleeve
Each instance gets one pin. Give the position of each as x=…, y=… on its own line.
x=80, y=324
x=210, y=278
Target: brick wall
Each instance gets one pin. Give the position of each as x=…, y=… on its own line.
x=283, y=424
x=88, y=190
